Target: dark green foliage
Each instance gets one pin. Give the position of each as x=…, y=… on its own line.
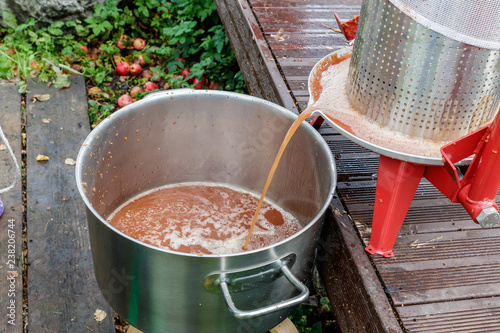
x=178, y=33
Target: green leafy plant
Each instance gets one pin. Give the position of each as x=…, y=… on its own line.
x=179, y=35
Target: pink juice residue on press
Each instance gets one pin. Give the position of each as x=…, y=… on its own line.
x=332, y=76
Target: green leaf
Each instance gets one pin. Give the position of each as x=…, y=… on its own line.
x=68, y=51
x=324, y=301
x=62, y=82
x=99, y=75
x=97, y=30
x=316, y=328
x=22, y=87
x=9, y=18
x=55, y=31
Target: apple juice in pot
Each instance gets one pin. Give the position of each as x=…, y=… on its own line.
x=202, y=218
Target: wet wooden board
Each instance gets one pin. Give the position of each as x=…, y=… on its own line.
x=354, y=289
x=252, y=53
x=444, y=277
x=11, y=275
x=62, y=291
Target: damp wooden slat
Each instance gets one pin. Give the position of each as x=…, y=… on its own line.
x=443, y=261
x=256, y=62
x=62, y=291
x=477, y=315
x=11, y=274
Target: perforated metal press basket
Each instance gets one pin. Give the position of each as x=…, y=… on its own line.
x=427, y=68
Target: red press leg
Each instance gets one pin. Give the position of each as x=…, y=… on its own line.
x=316, y=122
x=396, y=186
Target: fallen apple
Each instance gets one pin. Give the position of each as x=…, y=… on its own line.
x=185, y=73
x=140, y=60
x=147, y=74
x=124, y=42
x=135, y=69
x=214, y=85
x=150, y=86
x=120, y=45
x=135, y=90
x=139, y=44
x=122, y=68
x=125, y=100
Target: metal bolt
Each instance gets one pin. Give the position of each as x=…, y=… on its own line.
x=488, y=217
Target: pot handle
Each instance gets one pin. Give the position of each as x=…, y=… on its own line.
x=246, y=314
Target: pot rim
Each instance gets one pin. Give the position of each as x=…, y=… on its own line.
x=182, y=92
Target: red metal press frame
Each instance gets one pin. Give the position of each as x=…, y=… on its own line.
x=398, y=181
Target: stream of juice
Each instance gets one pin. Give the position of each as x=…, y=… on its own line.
x=316, y=91
x=287, y=139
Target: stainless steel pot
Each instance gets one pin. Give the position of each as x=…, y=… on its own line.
x=185, y=136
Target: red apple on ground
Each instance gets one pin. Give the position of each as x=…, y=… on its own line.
x=139, y=44
x=123, y=42
x=124, y=100
x=139, y=60
x=150, y=86
x=214, y=85
x=147, y=74
x=185, y=73
x=120, y=45
x=135, y=69
x=135, y=90
x=122, y=68
x=197, y=84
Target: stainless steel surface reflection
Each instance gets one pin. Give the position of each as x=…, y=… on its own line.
x=187, y=136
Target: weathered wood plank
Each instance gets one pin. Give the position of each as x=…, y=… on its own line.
x=477, y=315
x=358, y=299
x=430, y=210
x=62, y=292
x=11, y=222
x=256, y=62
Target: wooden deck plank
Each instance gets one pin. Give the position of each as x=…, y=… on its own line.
x=62, y=292
x=478, y=315
x=441, y=254
x=262, y=76
x=11, y=281
x=357, y=296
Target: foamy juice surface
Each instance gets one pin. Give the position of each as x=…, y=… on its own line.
x=202, y=218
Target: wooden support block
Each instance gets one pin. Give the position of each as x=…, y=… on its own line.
x=62, y=290
x=285, y=326
x=262, y=75
x=132, y=329
x=11, y=246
